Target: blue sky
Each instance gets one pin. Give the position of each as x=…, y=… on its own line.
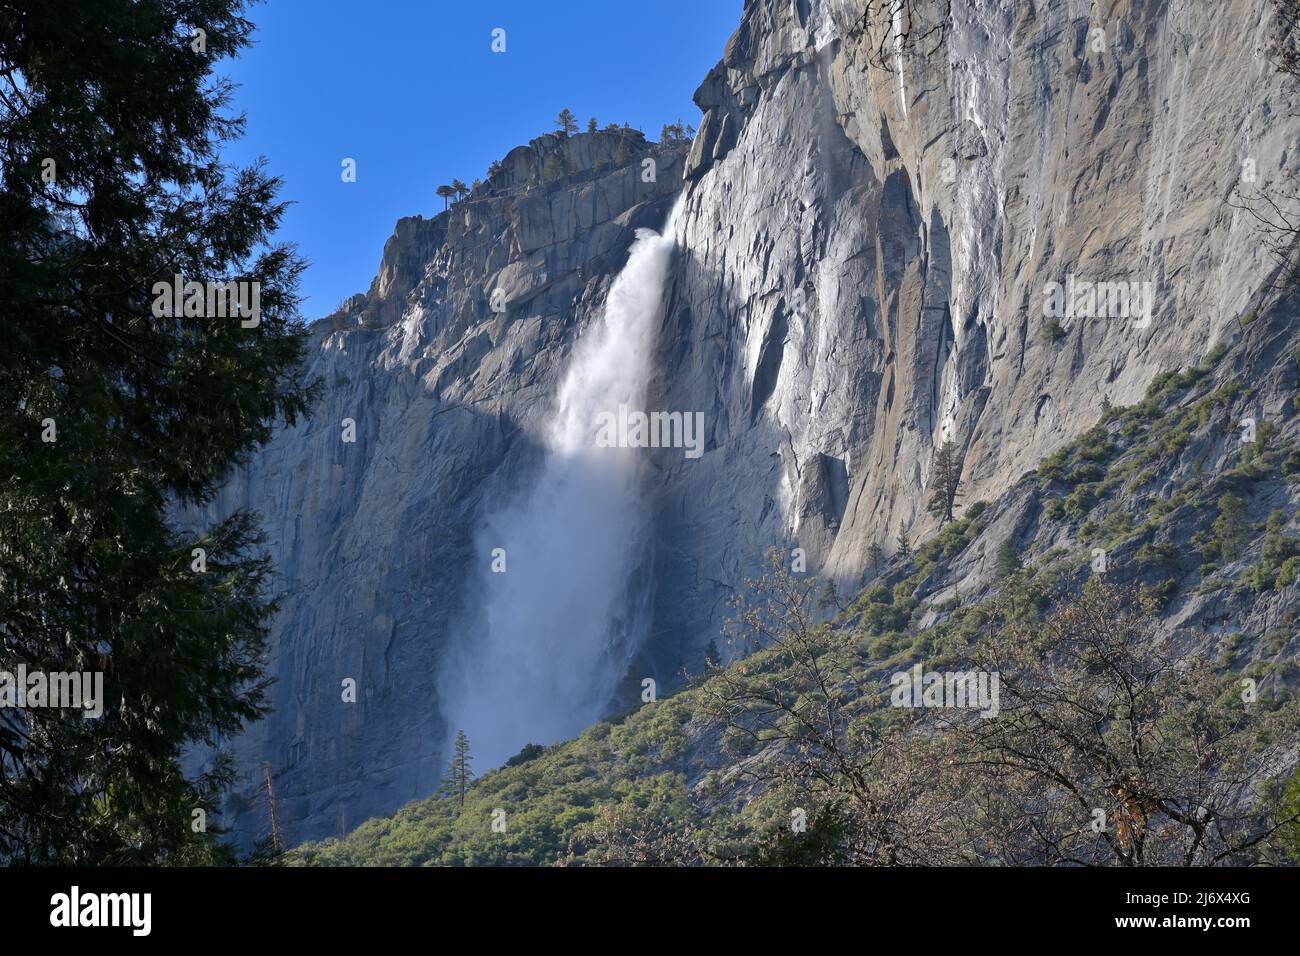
x=412, y=91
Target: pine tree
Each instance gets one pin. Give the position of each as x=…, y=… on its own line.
x=621, y=152
x=902, y=543
x=591, y=125
x=445, y=192
x=552, y=168
x=1231, y=530
x=674, y=134
x=566, y=122
x=1008, y=559
x=459, y=188
x=111, y=125
x=455, y=783
x=875, y=557
x=945, y=481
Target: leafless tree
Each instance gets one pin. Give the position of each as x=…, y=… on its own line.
x=816, y=729
x=1284, y=38
x=1106, y=748
x=1275, y=205
x=1110, y=749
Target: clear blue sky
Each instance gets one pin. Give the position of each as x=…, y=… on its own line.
x=412, y=91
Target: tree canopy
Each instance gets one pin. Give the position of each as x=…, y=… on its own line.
x=119, y=408
x=566, y=123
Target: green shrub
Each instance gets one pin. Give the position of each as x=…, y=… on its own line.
x=1080, y=501
x=1228, y=391
x=880, y=617
x=529, y=752
x=1008, y=559
x=1118, y=525
x=1162, y=592
x=1230, y=529
x=1175, y=441
x=1279, y=558
x=1259, y=578
x=1291, y=464
x=1203, y=410
x=1286, y=574
x=1154, y=553
x=1087, y=472
x=1277, y=548
x=1053, y=466
x=956, y=535
x=1231, y=644
x=1096, y=450
x=929, y=552
x=1160, y=383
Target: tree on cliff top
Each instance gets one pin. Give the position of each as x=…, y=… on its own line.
x=621, y=153
x=566, y=122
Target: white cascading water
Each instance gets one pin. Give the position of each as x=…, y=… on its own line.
x=560, y=625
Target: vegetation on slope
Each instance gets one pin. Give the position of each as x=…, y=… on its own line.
x=1140, y=619
x=1100, y=726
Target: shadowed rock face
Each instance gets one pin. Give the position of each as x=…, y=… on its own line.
x=860, y=275
x=373, y=540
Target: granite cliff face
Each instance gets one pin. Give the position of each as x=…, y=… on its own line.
x=373, y=539
x=863, y=256
x=868, y=254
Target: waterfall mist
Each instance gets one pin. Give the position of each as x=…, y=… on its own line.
x=558, y=628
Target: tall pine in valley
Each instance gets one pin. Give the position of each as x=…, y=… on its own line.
x=945, y=482
x=112, y=415
x=456, y=781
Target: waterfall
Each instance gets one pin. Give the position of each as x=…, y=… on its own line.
x=559, y=626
